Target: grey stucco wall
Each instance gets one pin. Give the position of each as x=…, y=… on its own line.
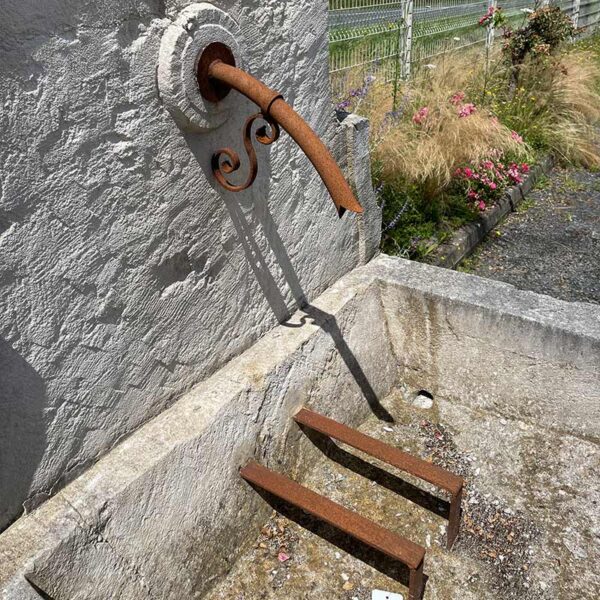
x=126, y=276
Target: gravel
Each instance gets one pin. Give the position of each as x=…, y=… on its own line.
x=551, y=245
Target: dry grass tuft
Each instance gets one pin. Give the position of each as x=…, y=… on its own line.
x=428, y=154
x=574, y=107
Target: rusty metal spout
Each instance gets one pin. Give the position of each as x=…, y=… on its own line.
x=217, y=74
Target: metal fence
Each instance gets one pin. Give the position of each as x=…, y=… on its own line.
x=389, y=38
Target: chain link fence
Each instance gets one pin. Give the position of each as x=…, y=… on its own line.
x=389, y=39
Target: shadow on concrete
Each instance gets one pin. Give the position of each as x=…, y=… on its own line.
x=262, y=245
x=277, y=301
x=387, y=480
x=22, y=431
x=40, y=592
x=379, y=561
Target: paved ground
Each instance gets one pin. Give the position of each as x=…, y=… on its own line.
x=530, y=529
x=552, y=244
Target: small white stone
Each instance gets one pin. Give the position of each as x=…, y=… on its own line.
x=422, y=401
x=383, y=595
x=345, y=576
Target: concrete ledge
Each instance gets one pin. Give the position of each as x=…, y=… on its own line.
x=165, y=513
x=467, y=238
x=489, y=345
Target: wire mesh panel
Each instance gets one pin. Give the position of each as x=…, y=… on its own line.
x=589, y=13
x=517, y=11
x=565, y=5
x=442, y=25
x=364, y=41
x=369, y=38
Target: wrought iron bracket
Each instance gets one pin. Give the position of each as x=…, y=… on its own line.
x=217, y=75
x=232, y=162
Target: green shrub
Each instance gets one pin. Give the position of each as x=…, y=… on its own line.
x=546, y=29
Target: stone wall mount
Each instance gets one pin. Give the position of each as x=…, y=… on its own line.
x=195, y=28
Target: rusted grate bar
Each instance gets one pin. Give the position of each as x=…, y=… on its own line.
x=401, y=460
x=350, y=522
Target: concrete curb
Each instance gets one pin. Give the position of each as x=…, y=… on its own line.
x=467, y=238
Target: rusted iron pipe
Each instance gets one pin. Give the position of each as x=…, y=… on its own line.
x=273, y=105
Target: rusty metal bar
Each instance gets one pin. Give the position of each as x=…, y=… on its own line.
x=217, y=73
x=350, y=522
x=422, y=469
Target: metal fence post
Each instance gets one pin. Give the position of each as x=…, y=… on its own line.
x=575, y=14
x=407, y=17
x=490, y=31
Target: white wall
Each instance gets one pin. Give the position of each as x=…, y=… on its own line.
x=126, y=275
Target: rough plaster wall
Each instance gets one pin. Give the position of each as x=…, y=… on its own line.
x=125, y=275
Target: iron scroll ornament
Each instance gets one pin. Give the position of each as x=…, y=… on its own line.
x=232, y=162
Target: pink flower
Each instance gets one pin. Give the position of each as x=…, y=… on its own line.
x=514, y=175
x=492, y=185
x=524, y=168
x=515, y=136
x=466, y=110
x=481, y=205
x=487, y=164
x=420, y=115
x=472, y=195
x=468, y=173
x=457, y=98
x=488, y=15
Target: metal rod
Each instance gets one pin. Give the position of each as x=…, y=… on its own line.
x=274, y=106
x=422, y=469
x=350, y=522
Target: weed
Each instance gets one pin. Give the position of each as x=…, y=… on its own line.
x=468, y=265
x=572, y=185
x=525, y=205
x=543, y=182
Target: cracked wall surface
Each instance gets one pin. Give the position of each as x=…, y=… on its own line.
x=126, y=276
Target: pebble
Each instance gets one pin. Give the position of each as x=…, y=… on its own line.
x=422, y=402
